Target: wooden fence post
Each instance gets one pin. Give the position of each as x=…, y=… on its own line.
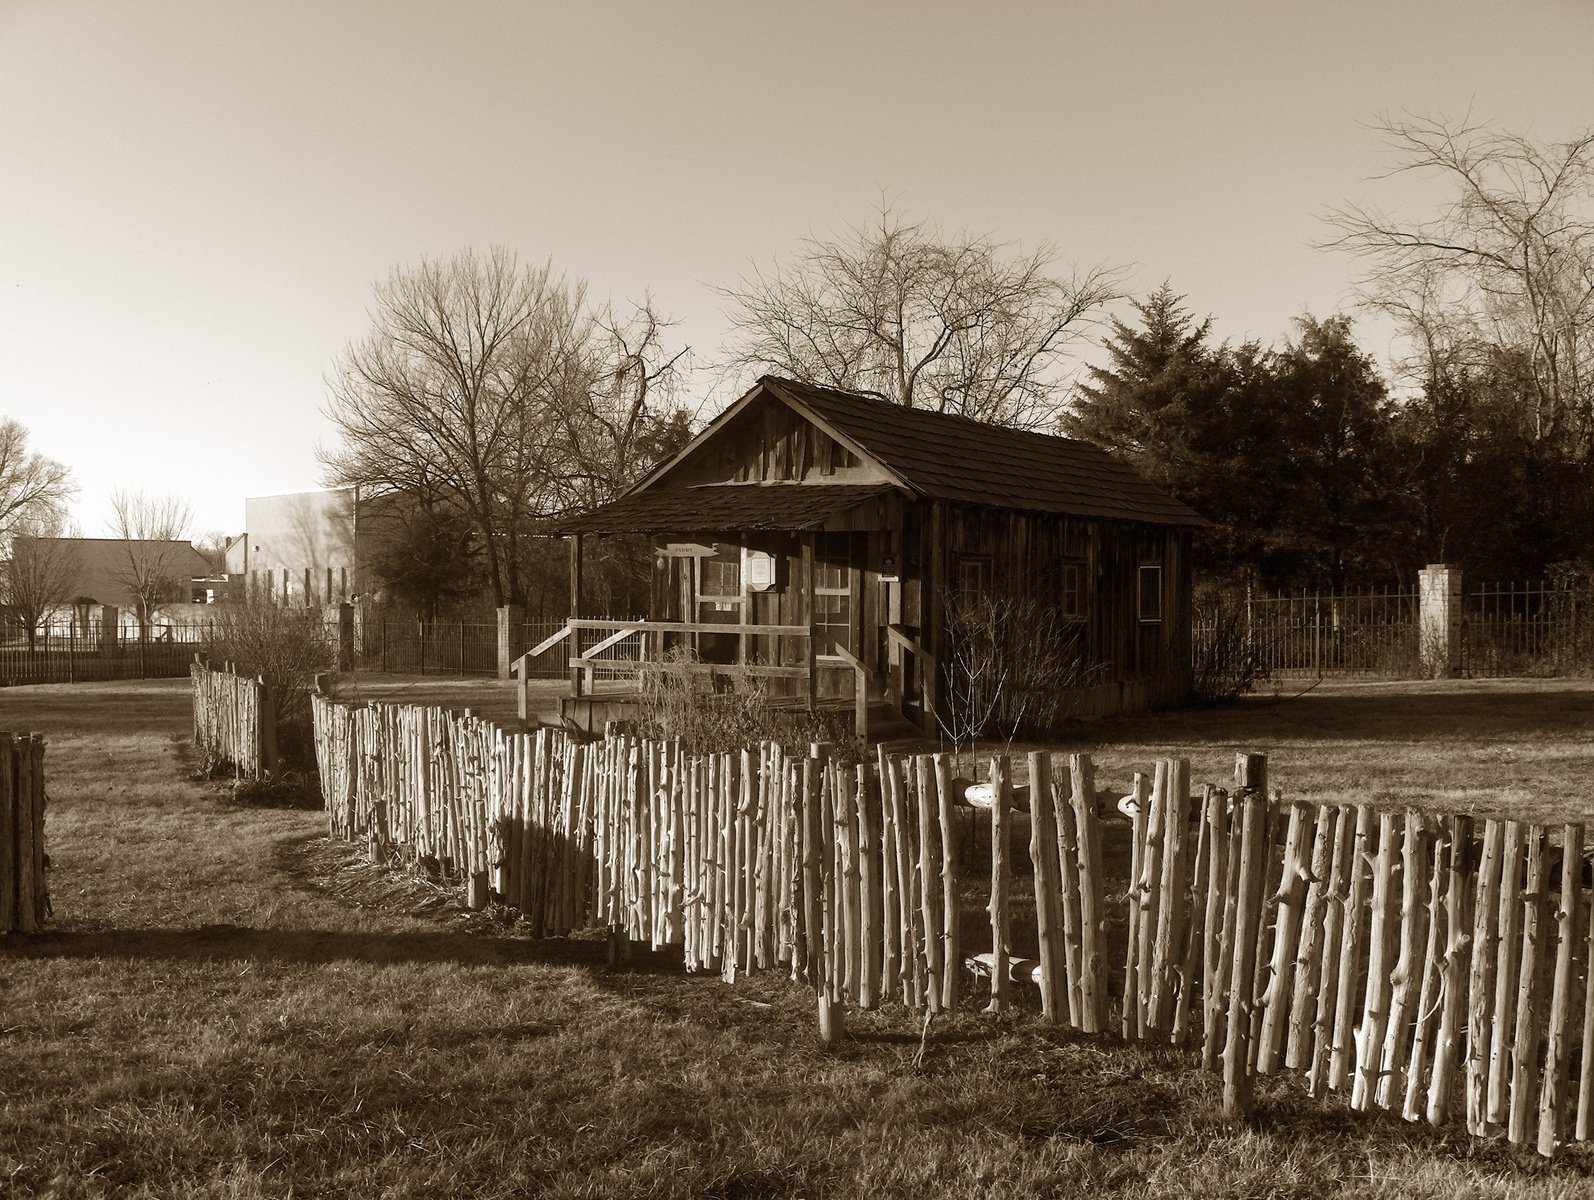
x=1251, y=813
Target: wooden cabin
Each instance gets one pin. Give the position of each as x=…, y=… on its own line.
x=828, y=543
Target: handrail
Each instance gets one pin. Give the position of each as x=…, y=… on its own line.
x=540, y=647
x=691, y=627
x=612, y=640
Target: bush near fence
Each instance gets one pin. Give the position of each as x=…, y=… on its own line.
x=1390, y=957
x=24, y=894
x=234, y=721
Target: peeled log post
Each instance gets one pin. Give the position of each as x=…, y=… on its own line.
x=1288, y=902
x=1149, y=887
x=1507, y=959
x=1530, y=1014
x=1065, y=830
x=1250, y=812
x=1380, y=961
x=1194, y=934
x=890, y=885
x=1481, y=978
x=1408, y=964
x=1309, y=950
x=952, y=953
x=1214, y=963
x=1431, y=962
x=1093, y=950
x=1047, y=880
x=1001, y=874
x=1334, y=894
x=812, y=941
x=1558, y=1051
x=1132, y=1025
x=930, y=904
x=1172, y=909
x=1585, y=1070
x=869, y=889
x=1453, y=969
x=1342, y=1049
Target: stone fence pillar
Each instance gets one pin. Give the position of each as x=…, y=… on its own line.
x=511, y=636
x=110, y=627
x=1439, y=620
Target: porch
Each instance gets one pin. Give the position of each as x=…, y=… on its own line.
x=613, y=662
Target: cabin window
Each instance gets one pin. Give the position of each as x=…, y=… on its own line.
x=719, y=586
x=833, y=594
x=974, y=579
x=1150, y=593
x=1071, y=591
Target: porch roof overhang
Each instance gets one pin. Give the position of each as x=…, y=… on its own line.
x=713, y=507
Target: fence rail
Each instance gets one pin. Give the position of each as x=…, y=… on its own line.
x=24, y=894
x=1393, y=958
x=234, y=721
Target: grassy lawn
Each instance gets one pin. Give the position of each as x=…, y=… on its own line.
x=228, y=1005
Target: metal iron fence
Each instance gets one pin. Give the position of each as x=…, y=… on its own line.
x=427, y=647
x=1544, y=628
x=68, y=651
x=1342, y=634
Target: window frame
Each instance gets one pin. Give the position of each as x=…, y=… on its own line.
x=1149, y=570
x=1071, y=584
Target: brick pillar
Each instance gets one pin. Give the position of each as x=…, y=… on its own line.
x=110, y=633
x=511, y=636
x=1439, y=620
x=345, y=637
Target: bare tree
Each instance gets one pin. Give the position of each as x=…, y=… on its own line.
x=43, y=573
x=900, y=311
x=1507, y=264
x=153, y=560
x=31, y=486
x=476, y=378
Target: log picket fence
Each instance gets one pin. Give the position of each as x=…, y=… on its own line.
x=1399, y=959
x=234, y=721
x=24, y=895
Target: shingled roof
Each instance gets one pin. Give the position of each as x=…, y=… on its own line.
x=932, y=455
x=947, y=457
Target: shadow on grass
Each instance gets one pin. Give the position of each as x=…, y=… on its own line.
x=313, y=946
x=1417, y=711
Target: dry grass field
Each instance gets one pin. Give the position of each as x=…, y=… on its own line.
x=228, y=1005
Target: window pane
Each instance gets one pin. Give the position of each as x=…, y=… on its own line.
x=1151, y=593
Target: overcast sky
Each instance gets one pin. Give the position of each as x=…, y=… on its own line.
x=195, y=198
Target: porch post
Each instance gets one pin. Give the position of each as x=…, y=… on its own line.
x=575, y=611
x=808, y=617
x=511, y=636
x=934, y=620
x=1439, y=620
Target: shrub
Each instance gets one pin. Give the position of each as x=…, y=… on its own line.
x=1226, y=660
x=1013, y=667
x=730, y=709
x=287, y=647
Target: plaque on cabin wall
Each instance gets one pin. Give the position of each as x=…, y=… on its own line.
x=758, y=569
x=888, y=569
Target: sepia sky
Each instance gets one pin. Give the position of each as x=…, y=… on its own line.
x=195, y=198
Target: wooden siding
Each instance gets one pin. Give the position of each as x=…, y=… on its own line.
x=769, y=443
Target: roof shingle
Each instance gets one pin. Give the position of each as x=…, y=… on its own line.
x=955, y=458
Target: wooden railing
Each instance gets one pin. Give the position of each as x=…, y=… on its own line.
x=623, y=650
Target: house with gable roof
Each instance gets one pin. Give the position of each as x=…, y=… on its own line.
x=825, y=541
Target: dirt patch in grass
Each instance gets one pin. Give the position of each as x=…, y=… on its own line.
x=227, y=1004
